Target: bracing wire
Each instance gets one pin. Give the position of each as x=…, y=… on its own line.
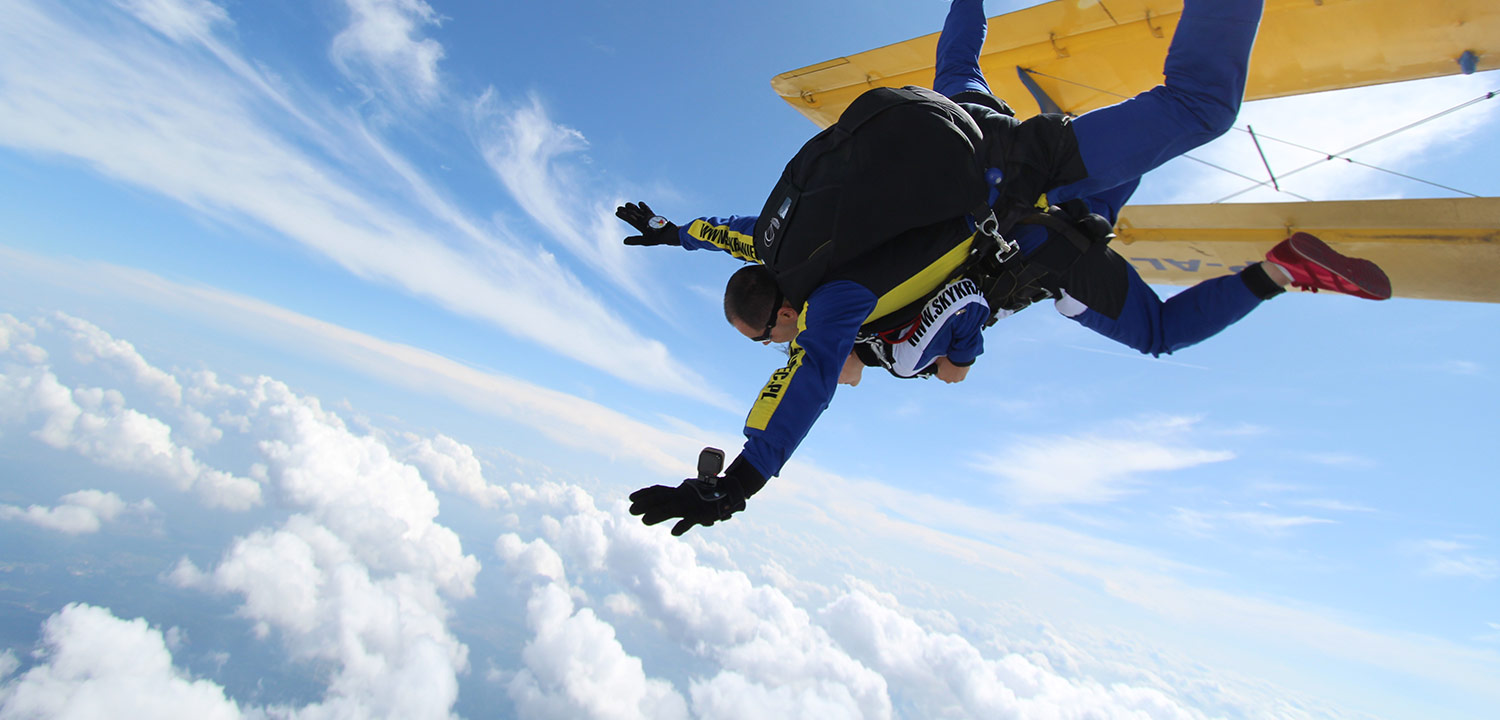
x=1340, y=155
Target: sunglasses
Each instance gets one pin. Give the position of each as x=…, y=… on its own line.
x=770, y=321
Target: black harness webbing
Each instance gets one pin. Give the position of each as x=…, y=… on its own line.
x=1008, y=281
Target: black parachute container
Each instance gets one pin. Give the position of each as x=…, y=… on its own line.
x=898, y=159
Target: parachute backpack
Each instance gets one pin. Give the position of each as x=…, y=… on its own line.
x=898, y=159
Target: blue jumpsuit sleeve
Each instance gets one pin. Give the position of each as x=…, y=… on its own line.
x=734, y=235
x=967, y=328
x=797, y=394
x=960, y=338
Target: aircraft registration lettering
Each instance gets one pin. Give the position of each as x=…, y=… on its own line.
x=1194, y=265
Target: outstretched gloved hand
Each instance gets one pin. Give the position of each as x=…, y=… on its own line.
x=695, y=501
x=654, y=229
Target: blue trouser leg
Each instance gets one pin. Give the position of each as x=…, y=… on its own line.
x=1205, y=82
x=957, y=68
x=1152, y=326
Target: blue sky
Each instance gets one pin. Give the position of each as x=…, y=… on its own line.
x=323, y=377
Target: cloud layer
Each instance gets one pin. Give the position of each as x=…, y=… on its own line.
x=359, y=576
x=356, y=574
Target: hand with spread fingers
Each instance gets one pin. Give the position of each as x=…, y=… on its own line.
x=698, y=501
x=654, y=229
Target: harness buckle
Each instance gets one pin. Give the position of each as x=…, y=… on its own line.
x=1005, y=248
x=989, y=226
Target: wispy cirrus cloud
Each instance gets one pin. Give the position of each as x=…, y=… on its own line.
x=1455, y=558
x=1336, y=459
x=179, y=19
x=528, y=152
x=149, y=113
x=1204, y=523
x=1462, y=368
x=1331, y=505
x=382, y=48
x=1094, y=467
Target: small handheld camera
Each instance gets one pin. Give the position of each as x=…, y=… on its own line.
x=710, y=464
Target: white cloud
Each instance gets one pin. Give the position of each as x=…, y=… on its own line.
x=151, y=116
x=382, y=47
x=385, y=633
x=526, y=150
x=178, y=19
x=1053, y=566
x=451, y=465
x=576, y=668
x=1203, y=523
x=1455, y=558
x=95, y=423
x=1332, y=505
x=16, y=337
x=1334, y=459
x=79, y=513
x=95, y=665
x=1273, y=524
x=1462, y=368
x=1492, y=636
x=930, y=664
x=1093, y=467
x=91, y=343
x=760, y=655
x=355, y=486
x=754, y=653
x=359, y=577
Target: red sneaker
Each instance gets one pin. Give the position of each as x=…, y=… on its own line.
x=1315, y=266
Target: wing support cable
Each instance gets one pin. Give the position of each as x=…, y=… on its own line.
x=1342, y=154
x=1028, y=73
x=1263, y=159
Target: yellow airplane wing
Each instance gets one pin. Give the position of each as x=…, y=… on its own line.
x=1086, y=54
x=1443, y=249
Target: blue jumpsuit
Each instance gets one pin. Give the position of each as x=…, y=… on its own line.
x=1205, y=73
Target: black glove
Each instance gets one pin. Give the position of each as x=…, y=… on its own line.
x=655, y=229
x=695, y=501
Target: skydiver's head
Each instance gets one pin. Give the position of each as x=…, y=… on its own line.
x=754, y=305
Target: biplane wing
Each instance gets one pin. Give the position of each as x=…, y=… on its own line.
x=1078, y=55
x=1439, y=249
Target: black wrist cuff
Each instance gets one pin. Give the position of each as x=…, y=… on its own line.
x=1260, y=283
x=670, y=235
x=745, y=476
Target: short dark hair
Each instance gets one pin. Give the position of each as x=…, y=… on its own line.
x=750, y=294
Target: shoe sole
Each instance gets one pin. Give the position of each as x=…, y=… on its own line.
x=1363, y=274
